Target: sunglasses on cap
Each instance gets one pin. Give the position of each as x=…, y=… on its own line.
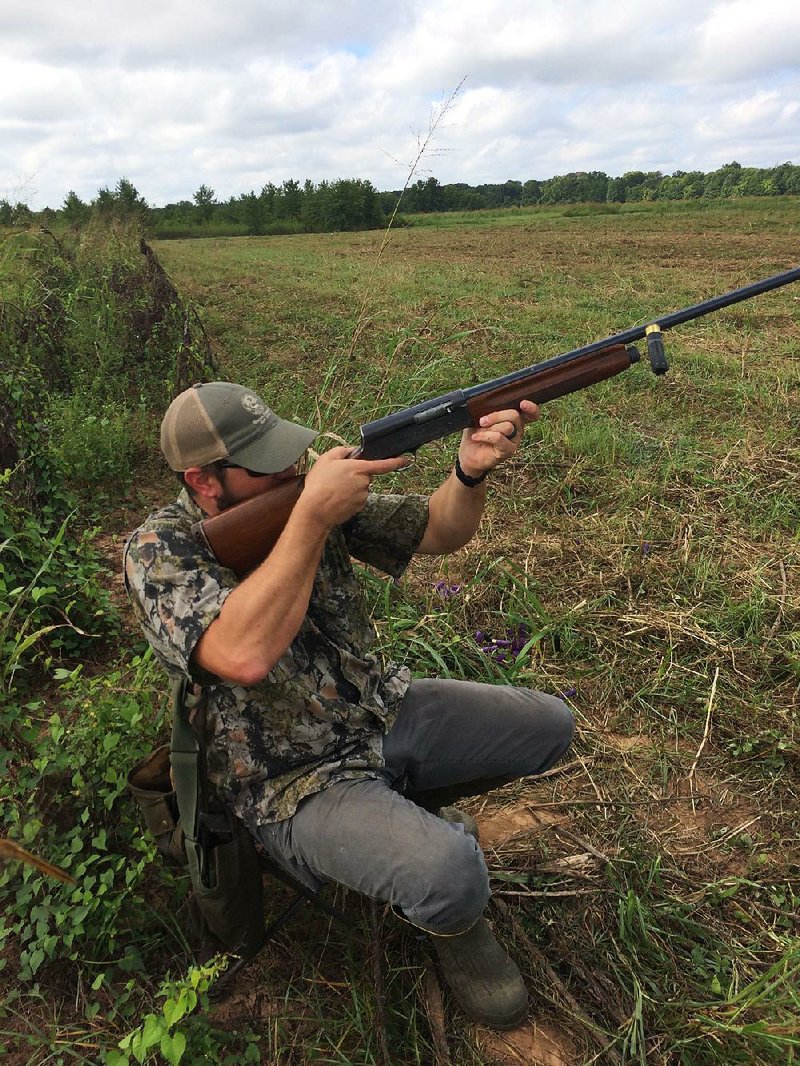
x=235, y=466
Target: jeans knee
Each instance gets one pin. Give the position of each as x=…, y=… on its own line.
x=455, y=885
x=562, y=723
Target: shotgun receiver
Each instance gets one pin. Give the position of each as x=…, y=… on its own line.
x=243, y=536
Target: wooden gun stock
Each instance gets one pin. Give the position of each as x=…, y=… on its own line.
x=244, y=535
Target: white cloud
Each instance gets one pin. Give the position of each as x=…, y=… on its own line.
x=747, y=39
x=174, y=93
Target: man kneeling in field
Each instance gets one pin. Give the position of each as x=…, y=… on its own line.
x=340, y=765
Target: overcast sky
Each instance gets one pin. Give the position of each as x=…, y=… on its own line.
x=175, y=93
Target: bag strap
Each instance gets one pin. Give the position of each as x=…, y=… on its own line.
x=185, y=755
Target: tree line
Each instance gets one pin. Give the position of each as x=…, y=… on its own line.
x=594, y=186
x=355, y=204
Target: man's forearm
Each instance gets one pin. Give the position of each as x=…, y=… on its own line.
x=454, y=514
x=262, y=615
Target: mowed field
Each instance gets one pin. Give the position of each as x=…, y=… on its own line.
x=642, y=555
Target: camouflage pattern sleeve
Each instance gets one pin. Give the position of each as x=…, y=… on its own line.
x=176, y=590
x=388, y=531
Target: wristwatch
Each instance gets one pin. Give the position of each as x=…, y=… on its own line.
x=465, y=479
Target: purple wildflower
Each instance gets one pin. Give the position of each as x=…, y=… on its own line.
x=445, y=590
x=568, y=693
x=504, y=648
x=519, y=638
x=646, y=548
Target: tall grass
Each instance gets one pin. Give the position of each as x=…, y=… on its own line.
x=639, y=557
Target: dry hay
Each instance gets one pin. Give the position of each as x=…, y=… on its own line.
x=543, y=1042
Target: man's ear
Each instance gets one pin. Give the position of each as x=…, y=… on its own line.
x=202, y=483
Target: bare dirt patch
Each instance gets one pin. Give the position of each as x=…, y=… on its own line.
x=540, y=1043
x=621, y=743
x=501, y=827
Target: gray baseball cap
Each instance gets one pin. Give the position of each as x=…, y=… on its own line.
x=219, y=420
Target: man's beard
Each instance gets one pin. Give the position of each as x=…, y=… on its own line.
x=226, y=500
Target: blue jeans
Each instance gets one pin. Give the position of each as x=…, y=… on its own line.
x=451, y=739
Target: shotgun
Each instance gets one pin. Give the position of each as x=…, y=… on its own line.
x=244, y=535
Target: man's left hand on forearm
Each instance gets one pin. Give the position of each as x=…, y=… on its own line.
x=496, y=439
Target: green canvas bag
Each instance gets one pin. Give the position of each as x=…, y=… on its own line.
x=193, y=827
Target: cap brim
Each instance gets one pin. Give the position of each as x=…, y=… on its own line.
x=280, y=447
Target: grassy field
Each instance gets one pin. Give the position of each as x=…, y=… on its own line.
x=647, y=537
x=643, y=553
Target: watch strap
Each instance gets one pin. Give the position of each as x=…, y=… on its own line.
x=465, y=479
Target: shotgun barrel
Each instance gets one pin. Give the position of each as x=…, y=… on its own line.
x=407, y=430
x=243, y=536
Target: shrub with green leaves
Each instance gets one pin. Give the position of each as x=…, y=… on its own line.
x=97, y=450
x=99, y=938
x=62, y=796
x=52, y=601
x=86, y=323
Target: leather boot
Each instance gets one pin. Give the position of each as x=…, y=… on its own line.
x=484, y=980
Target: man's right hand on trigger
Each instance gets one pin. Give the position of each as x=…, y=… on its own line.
x=336, y=486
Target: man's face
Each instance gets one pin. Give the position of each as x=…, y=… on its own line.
x=238, y=484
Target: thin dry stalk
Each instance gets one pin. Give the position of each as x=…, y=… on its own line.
x=611, y=1055
x=9, y=849
x=433, y=125
x=570, y=835
x=377, y=975
x=781, y=602
x=706, y=733
x=434, y=1009
x=547, y=894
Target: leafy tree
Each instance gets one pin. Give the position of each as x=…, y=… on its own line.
x=616, y=191
x=253, y=210
x=349, y=204
x=425, y=196
x=183, y=211
x=594, y=187
x=21, y=215
x=291, y=200
x=531, y=191
x=785, y=179
x=128, y=199
x=722, y=182
x=230, y=211
x=750, y=183
x=75, y=211
x=205, y=202
x=104, y=203
x=314, y=201
x=124, y=202
x=460, y=197
x=269, y=197
x=562, y=189
x=511, y=193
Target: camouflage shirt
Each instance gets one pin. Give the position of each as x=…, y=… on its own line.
x=320, y=714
